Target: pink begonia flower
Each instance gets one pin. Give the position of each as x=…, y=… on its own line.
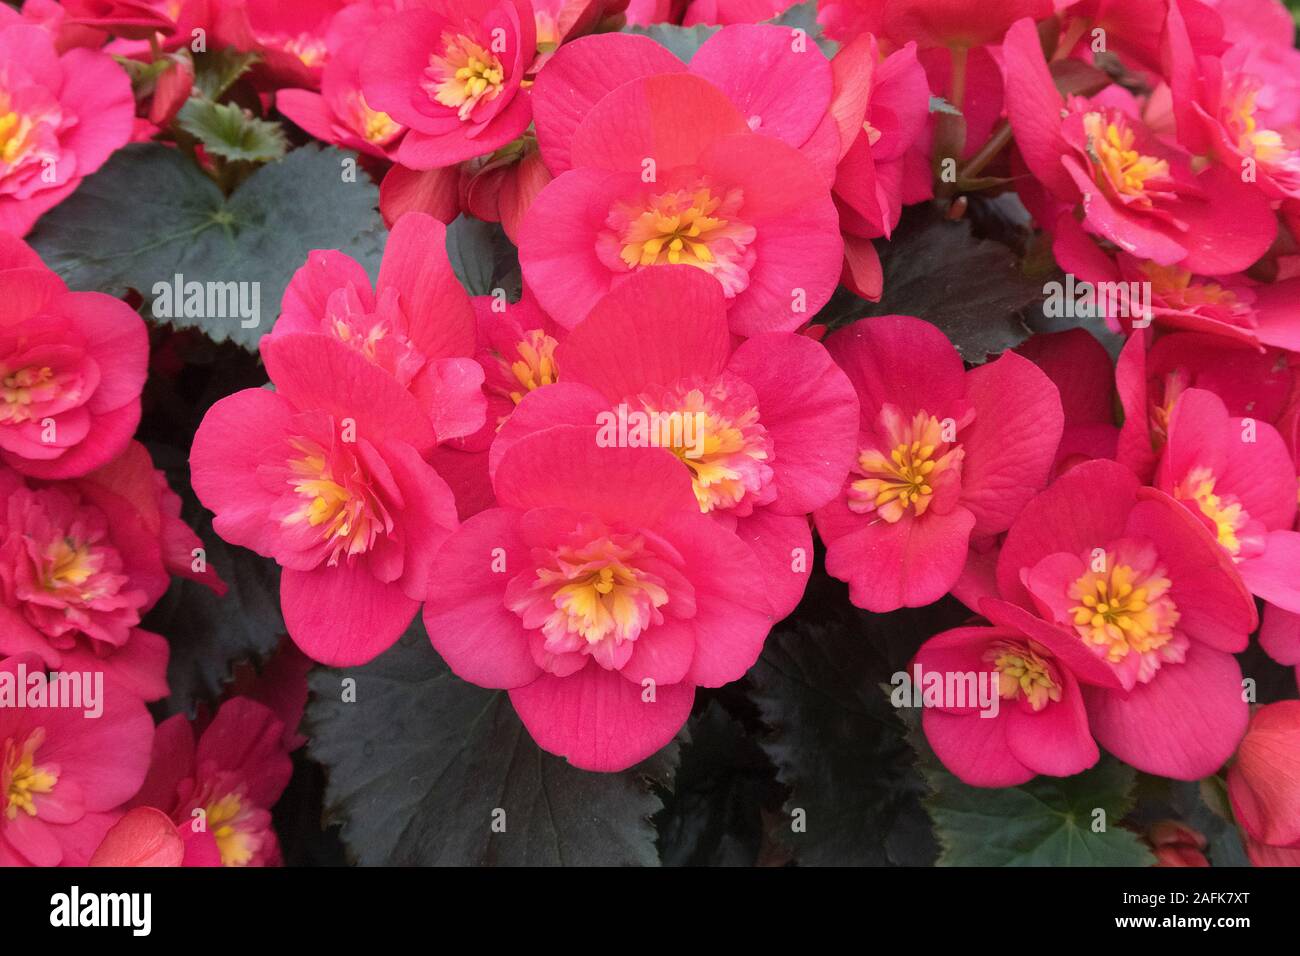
x=339, y=112
x=141, y=837
x=1149, y=381
x=1238, y=477
x=1239, y=109
x=1137, y=580
x=80, y=564
x=598, y=595
x=943, y=457
x=1140, y=193
x=725, y=12
x=1279, y=632
x=61, y=117
x=785, y=90
x=452, y=73
x=930, y=23
x=502, y=187
x=221, y=790
x=1081, y=369
x=416, y=324
x=1264, y=784
x=73, y=365
x=1265, y=22
x=52, y=16
x=325, y=475
x=63, y=774
x=767, y=429
x=1041, y=725
x=668, y=171
x=880, y=169
x=291, y=36
x=1231, y=306
x=1134, y=29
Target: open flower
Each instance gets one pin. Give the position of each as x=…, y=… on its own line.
x=667, y=171
x=61, y=116
x=452, y=73
x=219, y=791
x=325, y=475
x=1133, y=577
x=767, y=428
x=598, y=595
x=63, y=774
x=944, y=457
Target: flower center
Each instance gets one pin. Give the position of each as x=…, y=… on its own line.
x=697, y=226
x=1118, y=164
x=1224, y=512
x=1022, y=672
x=22, y=388
x=464, y=76
x=375, y=126
x=224, y=818
x=1121, y=611
x=535, y=366
x=347, y=517
x=1263, y=144
x=593, y=593
x=310, y=50
x=715, y=431
x=905, y=478
x=21, y=779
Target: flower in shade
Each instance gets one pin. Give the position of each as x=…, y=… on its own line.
x=1264, y=784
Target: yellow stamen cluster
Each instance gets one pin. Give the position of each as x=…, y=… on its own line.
x=1122, y=614
x=23, y=778
x=1110, y=146
x=1226, y=514
x=465, y=75
x=535, y=366
x=1022, y=671
x=675, y=229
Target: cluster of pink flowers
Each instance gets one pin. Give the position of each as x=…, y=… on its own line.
x=604, y=495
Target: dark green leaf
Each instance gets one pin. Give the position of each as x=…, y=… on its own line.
x=972, y=289
x=217, y=71
x=150, y=214
x=421, y=761
x=231, y=132
x=803, y=16
x=1048, y=821
x=482, y=257
x=681, y=42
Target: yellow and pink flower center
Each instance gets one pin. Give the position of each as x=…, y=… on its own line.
x=238, y=826
x=1265, y=145
x=22, y=388
x=310, y=50
x=1024, y=673
x=1177, y=288
x=1122, y=611
x=535, y=365
x=593, y=593
x=1161, y=411
x=22, y=779
x=29, y=137
x=698, y=226
x=715, y=431
x=464, y=76
x=345, y=514
x=374, y=126
x=920, y=453
x=1116, y=163
x=1224, y=512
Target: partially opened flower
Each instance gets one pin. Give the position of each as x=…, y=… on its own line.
x=598, y=595
x=325, y=475
x=416, y=323
x=1264, y=780
x=289, y=35
x=73, y=365
x=64, y=773
x=451, y=71
x=766, y=430
x=220, y=789
x=1238, y=477
x=1137, y=580
x=944, y=456
x=666, y=171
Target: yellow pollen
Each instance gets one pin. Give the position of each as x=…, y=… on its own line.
x=464, y=76
x=1022, y=671
x=70, y=565
x=906, y=478
x=375, y=126
x=1226, y=514
x=234, y=845
x=675, y=229
x=25, y=779
x=17, y=392
x=536, y=364
x=1265, y=145
x=1123, y=167
x=1122, y=615
x=602, y=602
